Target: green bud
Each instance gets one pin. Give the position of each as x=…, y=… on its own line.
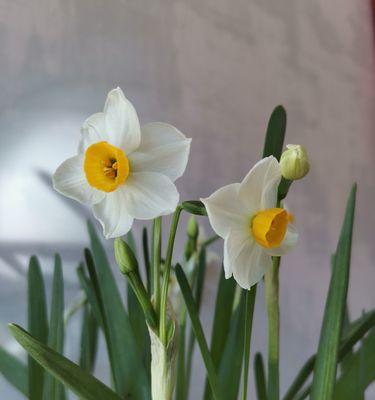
x=192, y=228
x=294, y=162
x=124, y=256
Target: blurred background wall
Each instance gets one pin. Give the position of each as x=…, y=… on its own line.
x=215, y=69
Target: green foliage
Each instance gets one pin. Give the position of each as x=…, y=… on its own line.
x=14, y=371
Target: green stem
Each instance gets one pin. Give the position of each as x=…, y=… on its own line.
x=156, y=256
x=272, y=303
x=250, y=301
x=210, y=240
x=166, y=274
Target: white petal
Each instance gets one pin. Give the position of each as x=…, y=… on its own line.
x=247, y=259
x=226, y=261
x=258, y=190
x=148, y=195
x=70, y=180
x=122, y=122
x=290, y=240
x=163, y=149
x=93, y=131
x=113, y=215
x=225, y=211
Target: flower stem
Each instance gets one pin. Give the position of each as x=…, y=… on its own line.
x=156, y=256
x=166, y=274
x=272, y=303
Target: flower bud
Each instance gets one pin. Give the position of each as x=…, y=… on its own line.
x=294, y=162
x=124, y=256
x=192, y=228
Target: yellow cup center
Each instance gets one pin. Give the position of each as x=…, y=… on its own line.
x=106, y=166
x=268, y=227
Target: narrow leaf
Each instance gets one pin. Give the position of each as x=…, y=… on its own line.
x=146, y=258
x=53, y=390
x=123, y=352
x=37, y=324
x=89, y=340
x=198, y=330
x=327, y=355
x=260, y=377
x=273, y=145
x=79, y=381
x=14, y=371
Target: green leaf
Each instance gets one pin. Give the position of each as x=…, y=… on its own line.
x=358, y=329
x=260, y=377
x=181, y=389
x=38, y=325
x=231, y=362
x=273, y=145
x=194, y=207
x=146, y=258
x=79, y=381
x=353, y=382
x=326, y=361
x=122, y=348
x=89, y=340
x=198, y=330
x=221, y=324
x=53, y=390
x=249, y=312
x=14, y=371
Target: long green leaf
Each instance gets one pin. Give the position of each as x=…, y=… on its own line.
x=273, y=145
x=249, y=312
x=89, y=340
x=360, y=374
x=326, y=361
x=53, y=390
x=260, y=377
x=231, y=362
x=358, y=329
x=14, y=371
x=37, y=324
x=198, y=330
x=79, y=381
x=122, y=348
x=221, y=324
x=146, y=257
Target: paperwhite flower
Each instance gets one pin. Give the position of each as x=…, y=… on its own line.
x=122, y=170
x=245, y=216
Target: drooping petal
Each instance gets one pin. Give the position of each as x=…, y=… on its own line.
x=258, y=190
x=290, y=240
x=225, y=211
x=122, y=122
x=163, y=149
x=70, y=180
x=247, y=259
x=113, y=215
x=93, y=131
x=148, y=195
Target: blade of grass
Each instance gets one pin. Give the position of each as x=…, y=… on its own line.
x=249, y=312
x=14, y=371
x=37, y=325
x=79, y=381
x=198, y=330
x=221, y=324
x=123, y=351
x=54, y=390
x=260, y=377
x=357, y=331
x=326, y=360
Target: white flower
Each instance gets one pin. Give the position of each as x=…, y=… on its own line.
x=245, y=216
x=122, y=170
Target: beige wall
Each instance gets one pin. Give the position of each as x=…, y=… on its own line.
x=215, y=69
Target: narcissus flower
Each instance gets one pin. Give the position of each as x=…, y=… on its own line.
x=122, y=170
x=253, y=228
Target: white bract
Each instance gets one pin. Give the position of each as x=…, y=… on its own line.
x=122, y=170
x=254, y=229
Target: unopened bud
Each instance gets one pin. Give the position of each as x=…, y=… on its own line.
x=124, y=256
x=294, y=162
x=192, y=228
